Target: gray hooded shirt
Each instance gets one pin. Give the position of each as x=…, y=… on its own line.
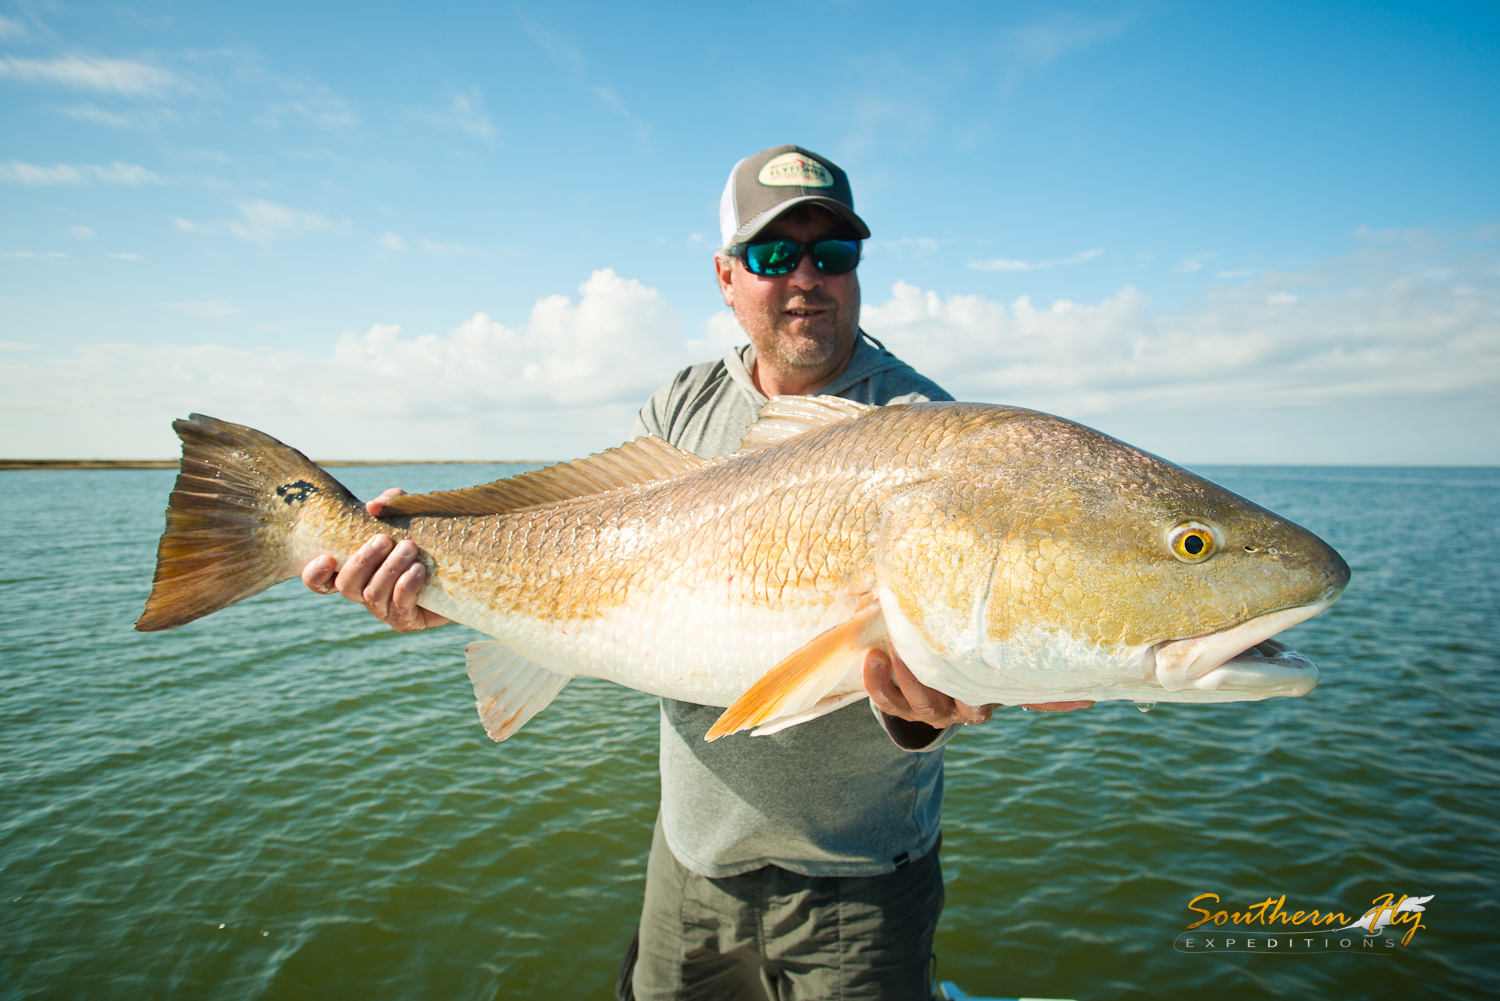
x=853, y=793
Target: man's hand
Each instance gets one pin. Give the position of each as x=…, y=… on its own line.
x=382, y=575
x=909, y=699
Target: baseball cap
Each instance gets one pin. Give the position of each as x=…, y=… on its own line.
x=763, y=186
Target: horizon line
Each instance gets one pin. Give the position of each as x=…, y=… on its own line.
x=35, y=464
x=22, y=465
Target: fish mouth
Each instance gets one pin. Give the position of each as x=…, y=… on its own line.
x=1242, y=659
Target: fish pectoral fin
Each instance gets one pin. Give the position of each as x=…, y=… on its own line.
x=643, y=460
x=508, y=688
x=785, y=417
x=807, y=678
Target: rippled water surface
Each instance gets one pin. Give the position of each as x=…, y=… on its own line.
x=287, y=800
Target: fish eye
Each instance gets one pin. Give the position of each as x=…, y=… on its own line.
x=1192, y=542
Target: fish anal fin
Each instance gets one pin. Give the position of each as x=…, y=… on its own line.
x=824, y=706
x=786, y=417
x=800, y=682
x=631, y=464
x=508, y=688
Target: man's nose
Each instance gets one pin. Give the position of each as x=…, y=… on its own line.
x=806, y=274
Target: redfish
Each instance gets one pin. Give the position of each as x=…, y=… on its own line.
x=1007, y=556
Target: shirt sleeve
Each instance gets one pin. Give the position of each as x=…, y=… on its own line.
x=909, y=736
x=648, y=420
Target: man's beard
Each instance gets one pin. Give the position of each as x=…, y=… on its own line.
x=813, y=348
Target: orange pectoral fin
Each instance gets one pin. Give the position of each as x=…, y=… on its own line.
x=801, y=681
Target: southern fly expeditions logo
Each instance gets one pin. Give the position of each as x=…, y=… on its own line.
x=1270, y=926
x=794, y=170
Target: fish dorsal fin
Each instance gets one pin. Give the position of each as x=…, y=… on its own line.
x=508, y=688
x=633, y=463
x=786, y=417
x=802, y=687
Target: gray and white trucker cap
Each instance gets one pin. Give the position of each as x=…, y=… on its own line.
x=763, y=186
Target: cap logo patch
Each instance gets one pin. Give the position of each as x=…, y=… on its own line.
x=795, y=170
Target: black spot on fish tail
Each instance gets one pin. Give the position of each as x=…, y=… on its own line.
x=299, y=490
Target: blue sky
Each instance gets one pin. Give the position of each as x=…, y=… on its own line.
x=1268, y=234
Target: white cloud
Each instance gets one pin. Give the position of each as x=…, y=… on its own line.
x=11, y=29
x=1367, y=358
x=118, y=76
x=721, y=331
x=264, y=222
x=465, y=113
x=51, y=255
x=1360, y=335
x=214, y=309
x=146, y=119
x=1007, y=264
x=617, y=104
x=390, y=241
x=1000, y=264
x=311, y=106
x=125, y=257
x=559, y=47
x=127, y=174
x=606, y=348
x=80, y=232
x=1189, y=265
x=567, y=382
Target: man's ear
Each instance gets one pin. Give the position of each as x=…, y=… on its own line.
x=724, y=268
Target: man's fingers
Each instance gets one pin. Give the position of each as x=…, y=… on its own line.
x=379, y=593
x=406, y=616
x=883, y=692
x=360, y=567
x=1059, y=707
x=974, y=714
x=377, y=504
x=383, y=575
x=318, y=574
x=927, y=704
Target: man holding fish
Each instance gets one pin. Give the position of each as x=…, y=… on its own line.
x=1010, y=556
x=802, y=863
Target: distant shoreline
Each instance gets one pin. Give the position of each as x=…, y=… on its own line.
x=19, y=464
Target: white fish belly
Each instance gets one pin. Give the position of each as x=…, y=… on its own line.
x=695, y=645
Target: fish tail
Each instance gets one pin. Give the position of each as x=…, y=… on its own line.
x=231, y=520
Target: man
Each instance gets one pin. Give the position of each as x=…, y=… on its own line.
x=801, y=864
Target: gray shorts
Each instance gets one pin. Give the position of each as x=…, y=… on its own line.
x=773, y=935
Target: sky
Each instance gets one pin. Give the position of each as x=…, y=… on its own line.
x=1252, y=233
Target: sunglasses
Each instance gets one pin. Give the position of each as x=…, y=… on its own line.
x=781, y=257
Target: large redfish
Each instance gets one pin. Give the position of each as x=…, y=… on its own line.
x=1006, y=555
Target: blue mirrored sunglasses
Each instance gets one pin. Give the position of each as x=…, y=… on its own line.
x=781, y=257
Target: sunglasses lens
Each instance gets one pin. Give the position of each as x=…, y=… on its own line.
x=836, y=257
x=774, y=257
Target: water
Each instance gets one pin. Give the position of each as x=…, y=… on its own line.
x=287, y=800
